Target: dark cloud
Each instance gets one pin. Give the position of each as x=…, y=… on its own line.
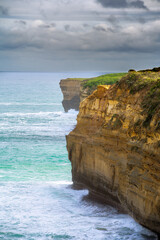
x=85, y=25
x=103, y=28
x=67, y=27
x=138, y=4
x=142, y=20
x=21, y=22
x=3, y=11
x=122, y=4
x=117, y=32
x=113, y=3
x=113, y=20
x=47, y=25
x=100, y=28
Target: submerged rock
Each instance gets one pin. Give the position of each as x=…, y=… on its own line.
x=115, y=147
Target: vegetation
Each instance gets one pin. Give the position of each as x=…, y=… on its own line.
x=139, y=80
x=151, y=103
x=107, y=79
x=78, y=79
x=149, y=81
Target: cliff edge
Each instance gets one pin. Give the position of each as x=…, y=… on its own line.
x=115, y=147
x=76, y=89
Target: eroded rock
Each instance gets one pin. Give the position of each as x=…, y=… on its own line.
x=113, y=152
x=71, y=93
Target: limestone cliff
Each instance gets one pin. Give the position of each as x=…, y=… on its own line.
x=115, y=147
x=71, y=93
x=76, y=89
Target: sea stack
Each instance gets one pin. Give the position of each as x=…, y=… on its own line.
x=76, y=90
x=115, y=147
x=71, y=93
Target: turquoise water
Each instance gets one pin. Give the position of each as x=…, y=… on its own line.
x=37, y=201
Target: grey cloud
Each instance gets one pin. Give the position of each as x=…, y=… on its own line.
x=138, y=38
x=138, y=4
x=142, y=20
x=112, y=19
x=100, y=28
x=122, y=3
x=85, y=25
x=23, y=22
x=113, y=3
x=3, y=11
x=67, y=27
x=97, y=32
x=20, y=22
x=52, y=25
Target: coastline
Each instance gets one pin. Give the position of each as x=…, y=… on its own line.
x=108, y=152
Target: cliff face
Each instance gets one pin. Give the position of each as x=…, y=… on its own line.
x=115, y=147
x=76, y=89
x=83, y=93
x=71, y=93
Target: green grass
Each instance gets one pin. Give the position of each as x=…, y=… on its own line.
x=140, y=80
x=107, y=79
x=151, y=102
x=77, y=79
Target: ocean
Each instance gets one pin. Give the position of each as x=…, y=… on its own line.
x=37, y=201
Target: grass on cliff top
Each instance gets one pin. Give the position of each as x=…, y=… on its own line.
x=149, y=83
x=107, y=79
x=140, y=80
x=77, y=79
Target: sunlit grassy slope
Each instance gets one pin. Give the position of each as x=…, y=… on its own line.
x=107, y=79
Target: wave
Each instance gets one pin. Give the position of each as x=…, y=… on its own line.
x=38, y=114
x=36, y=126
x=59, y=182
x=14, y=114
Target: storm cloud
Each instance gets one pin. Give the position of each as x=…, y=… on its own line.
x=74, y=35
x=3, y=11
x=122, y=3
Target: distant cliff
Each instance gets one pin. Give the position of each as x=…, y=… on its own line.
x=76, y=89
x=71, y=93
x=115, y=147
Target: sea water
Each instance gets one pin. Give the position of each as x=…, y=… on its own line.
x=37, y=201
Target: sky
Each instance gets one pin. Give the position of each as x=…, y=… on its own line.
x=77, y=35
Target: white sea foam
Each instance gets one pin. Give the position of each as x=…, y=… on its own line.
x=38, y=114
x=56, y=123
x=47, y=209
x=29, y=114
x=36, y=197
x=59, y=183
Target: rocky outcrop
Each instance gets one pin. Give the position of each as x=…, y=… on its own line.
x=76, y=90
x=115, y=147
x=83, y=93
x=71, y=93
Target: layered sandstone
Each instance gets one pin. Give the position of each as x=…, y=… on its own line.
x=76, y=90
x=71, y=93
x=115, y=147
